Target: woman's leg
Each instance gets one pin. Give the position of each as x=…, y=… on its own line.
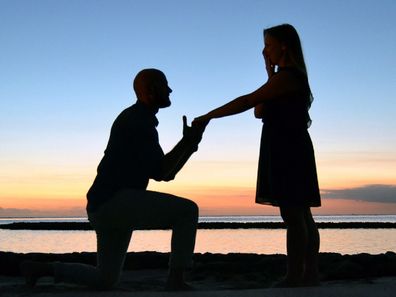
x=311, y=273
x=297, y=239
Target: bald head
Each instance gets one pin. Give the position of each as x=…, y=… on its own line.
x=151, y=88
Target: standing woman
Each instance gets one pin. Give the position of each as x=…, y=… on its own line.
x=287, y=175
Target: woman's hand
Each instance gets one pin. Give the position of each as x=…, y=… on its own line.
x=269, y=66
x=193, y=133
x=201, y=120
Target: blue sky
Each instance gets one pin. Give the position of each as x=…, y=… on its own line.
x=66, y=69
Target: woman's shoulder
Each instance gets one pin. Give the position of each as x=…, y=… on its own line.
x=293, y=75
x=291, y=71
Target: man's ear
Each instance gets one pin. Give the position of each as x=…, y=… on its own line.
x=152, y=91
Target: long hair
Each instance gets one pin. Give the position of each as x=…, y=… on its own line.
x=288, y=35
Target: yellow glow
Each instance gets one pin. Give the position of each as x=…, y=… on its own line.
x=345, y=170
x=217, y=187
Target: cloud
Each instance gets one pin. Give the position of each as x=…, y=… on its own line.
x=370, y=193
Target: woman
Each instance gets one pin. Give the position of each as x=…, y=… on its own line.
x=287, y=172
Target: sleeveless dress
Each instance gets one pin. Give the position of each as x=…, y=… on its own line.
x=286, y=170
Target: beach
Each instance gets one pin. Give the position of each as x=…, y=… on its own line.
x=215, y=275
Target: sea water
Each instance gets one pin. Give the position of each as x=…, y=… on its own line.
x=259, y=241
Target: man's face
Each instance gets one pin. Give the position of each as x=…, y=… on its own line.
x=161, y=92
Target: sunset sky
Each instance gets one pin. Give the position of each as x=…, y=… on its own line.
x=66, y=68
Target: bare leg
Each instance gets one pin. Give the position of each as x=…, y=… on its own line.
x=311, y=273
x=296, y=244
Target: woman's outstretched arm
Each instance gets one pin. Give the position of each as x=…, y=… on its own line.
x=278, y=85
x=235, y=106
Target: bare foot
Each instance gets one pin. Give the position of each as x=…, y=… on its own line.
x=33, y=270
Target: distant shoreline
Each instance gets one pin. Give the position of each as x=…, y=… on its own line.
x=75, y=226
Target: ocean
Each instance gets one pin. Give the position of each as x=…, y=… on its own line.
x=224, y=241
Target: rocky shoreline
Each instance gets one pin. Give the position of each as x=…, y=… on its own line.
x=233, y=270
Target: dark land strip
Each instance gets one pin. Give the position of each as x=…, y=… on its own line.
x=202, y=225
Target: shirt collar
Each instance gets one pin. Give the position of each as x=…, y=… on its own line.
x=149, y=111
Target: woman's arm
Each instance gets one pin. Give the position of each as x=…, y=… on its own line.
x=278, y=85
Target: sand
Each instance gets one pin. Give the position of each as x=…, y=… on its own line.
x=377, y=287
x=216, y=275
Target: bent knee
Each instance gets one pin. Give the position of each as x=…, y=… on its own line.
x=192, y=208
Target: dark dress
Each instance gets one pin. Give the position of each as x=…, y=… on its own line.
x=287, y=170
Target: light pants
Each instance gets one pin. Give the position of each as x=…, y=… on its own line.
x=114, y=222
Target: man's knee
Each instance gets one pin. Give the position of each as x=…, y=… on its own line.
x=192, y=209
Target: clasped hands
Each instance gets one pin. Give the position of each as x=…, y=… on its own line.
x=193, y=133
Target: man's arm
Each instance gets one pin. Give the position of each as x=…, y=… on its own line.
x=179, y=155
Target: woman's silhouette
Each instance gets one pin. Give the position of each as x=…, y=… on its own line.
x=286, y=172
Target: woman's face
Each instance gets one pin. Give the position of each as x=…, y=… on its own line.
x=273, y=50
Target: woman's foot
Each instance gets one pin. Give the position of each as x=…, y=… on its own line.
x=33, y=270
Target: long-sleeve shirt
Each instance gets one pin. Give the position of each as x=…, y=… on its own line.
x=133, y=155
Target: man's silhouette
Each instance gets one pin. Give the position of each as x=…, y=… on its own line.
x=118, y=201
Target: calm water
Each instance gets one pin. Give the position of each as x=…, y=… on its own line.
x=261, y=241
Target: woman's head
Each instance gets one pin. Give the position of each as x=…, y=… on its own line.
x=287, y=42
x=283, y=46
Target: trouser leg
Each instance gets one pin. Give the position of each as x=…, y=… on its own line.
x=112, y=249
x=112, y=245
x=127, y=210
x=148, y=209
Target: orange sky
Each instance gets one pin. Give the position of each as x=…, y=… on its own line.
x=212, y=201
x=218, y=187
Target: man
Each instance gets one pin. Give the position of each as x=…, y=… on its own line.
x=118, y=201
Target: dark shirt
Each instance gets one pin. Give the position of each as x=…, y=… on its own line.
x=133, y=155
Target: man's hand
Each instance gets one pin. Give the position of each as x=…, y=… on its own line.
x=174, y=161
x=194, y=132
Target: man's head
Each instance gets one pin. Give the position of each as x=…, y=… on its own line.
x=151, y=88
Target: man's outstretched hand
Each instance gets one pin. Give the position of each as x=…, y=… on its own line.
x=194, y=132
